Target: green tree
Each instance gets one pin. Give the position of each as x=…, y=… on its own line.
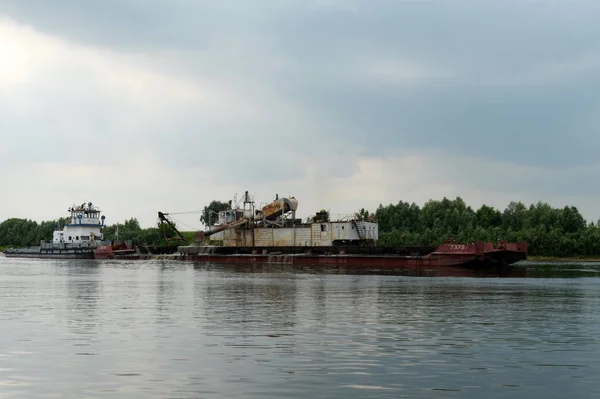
x=209, y=213
x=128, y=230
x=570, y=220
x=363, y=214
x=487, y=217
x=514, y=215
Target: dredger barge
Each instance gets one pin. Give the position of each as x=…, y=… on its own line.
x=271, y=234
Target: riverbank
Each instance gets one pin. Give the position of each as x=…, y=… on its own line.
x=563, y=259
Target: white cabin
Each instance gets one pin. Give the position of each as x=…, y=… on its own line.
x=82, y=226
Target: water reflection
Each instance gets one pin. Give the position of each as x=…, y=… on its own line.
x=165, y=294
x=511, y=271
x=168, y=329
x=561, y=270
x=84, y=292
x=255, y=301
x=358, y=328
x=523, y=269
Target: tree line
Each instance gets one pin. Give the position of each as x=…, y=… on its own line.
x=16, y=232
x=549, y=231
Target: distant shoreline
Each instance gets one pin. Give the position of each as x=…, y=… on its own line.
x=559, y=259
x=530, y=258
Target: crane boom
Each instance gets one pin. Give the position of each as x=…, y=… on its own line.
x=201, y=235
x=163, y=219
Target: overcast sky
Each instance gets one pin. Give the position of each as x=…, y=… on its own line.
x=140, y=106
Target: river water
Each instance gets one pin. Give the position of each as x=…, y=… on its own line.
x=89, y=329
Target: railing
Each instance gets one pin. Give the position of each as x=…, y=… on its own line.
x=343, y=217
x=347, y=217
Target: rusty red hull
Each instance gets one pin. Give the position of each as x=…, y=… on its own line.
x=476, y=256
x=114, y=251
x=366, y=261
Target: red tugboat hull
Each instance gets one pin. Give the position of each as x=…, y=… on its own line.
x=115, y=250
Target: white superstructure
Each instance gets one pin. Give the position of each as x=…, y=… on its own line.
x=312, y=234
x=82, y=226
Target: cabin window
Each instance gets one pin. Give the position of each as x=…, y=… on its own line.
x=77, y=238
x=70, y=238
x=323, y=227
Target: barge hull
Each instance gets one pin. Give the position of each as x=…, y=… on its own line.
x=378, y=262
x=37, y=255
x=475, y=256
x=419, y=267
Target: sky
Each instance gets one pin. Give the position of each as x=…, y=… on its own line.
x=140, y=106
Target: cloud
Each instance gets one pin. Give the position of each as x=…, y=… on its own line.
x=343, y=104
x=107, y=121
x=417, y=176
x=75, y=103
x=103, y=104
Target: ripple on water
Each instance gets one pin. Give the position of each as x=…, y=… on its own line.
x=161, y=329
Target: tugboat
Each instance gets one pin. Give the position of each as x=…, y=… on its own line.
x=79, y=237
